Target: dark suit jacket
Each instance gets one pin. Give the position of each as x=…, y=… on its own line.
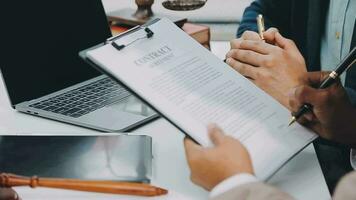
x=304, y=21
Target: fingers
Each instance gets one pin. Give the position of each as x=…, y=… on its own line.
x=270, y=35
x=192, y=150
x=235, y=43
x=246, y=56
x=285, y=43
x=244, y=69
x=191, y=146
x=8, y=194
x=217, y=136
x=308, y=121
x=307, y=95
x=247, y=35
x=257, y=46
x=294, y=102
x=250, y=35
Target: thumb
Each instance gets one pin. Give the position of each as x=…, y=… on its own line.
x=306, y=95
x=216, y=134
x=191, y=148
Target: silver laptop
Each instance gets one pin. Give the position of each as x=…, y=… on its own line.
x=44, y=75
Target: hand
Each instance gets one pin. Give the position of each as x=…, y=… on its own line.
x=8, y=194
x=210, y=166
x=275, y=69
x=269, y=36
x=333, y=117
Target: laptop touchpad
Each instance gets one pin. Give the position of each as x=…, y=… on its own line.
x=121, y=114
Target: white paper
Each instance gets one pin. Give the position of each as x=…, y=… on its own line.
x=192, y=88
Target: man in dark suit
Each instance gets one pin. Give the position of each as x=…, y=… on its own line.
x=324, y=32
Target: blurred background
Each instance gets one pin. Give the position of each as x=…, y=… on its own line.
x=222, y=16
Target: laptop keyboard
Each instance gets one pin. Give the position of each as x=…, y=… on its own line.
x=83, y=100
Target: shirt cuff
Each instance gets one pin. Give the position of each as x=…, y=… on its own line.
x=232, y=182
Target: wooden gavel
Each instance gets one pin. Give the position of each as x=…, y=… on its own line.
x=112, y=187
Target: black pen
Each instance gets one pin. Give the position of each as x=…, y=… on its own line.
x=349, y=61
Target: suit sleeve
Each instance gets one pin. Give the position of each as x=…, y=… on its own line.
x=276, y=14
x=232, y=182
x=352, y=95
x=253, y=191
x=346, y=188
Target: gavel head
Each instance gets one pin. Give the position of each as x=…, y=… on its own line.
x=183, y=5
x=144, y=7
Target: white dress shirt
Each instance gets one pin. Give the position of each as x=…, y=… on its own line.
x=339, y=28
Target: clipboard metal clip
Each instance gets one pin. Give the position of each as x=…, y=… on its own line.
x=149, y=34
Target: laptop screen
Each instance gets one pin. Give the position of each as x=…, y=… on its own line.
x=40, y=41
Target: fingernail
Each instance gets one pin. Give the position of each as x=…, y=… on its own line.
x=228, y=54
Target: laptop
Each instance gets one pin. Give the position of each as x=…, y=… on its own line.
x=44, y=75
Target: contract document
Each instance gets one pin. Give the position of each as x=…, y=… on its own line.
x=192, y=88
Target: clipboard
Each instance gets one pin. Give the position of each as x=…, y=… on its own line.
x=218, y=81
x=111, y=40
x=82, y=53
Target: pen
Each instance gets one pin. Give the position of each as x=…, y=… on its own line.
x=348, y=62
x=261, y=26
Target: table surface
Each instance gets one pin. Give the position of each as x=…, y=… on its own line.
x=301, y=177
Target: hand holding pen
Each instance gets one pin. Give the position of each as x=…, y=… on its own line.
x=346, y=64
x=268, y=63
x=333, y=116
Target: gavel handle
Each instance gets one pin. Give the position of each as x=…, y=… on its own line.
x=126, y=188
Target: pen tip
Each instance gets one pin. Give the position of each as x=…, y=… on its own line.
x=292, y=121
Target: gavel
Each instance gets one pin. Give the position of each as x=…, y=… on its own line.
x=112, y=187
